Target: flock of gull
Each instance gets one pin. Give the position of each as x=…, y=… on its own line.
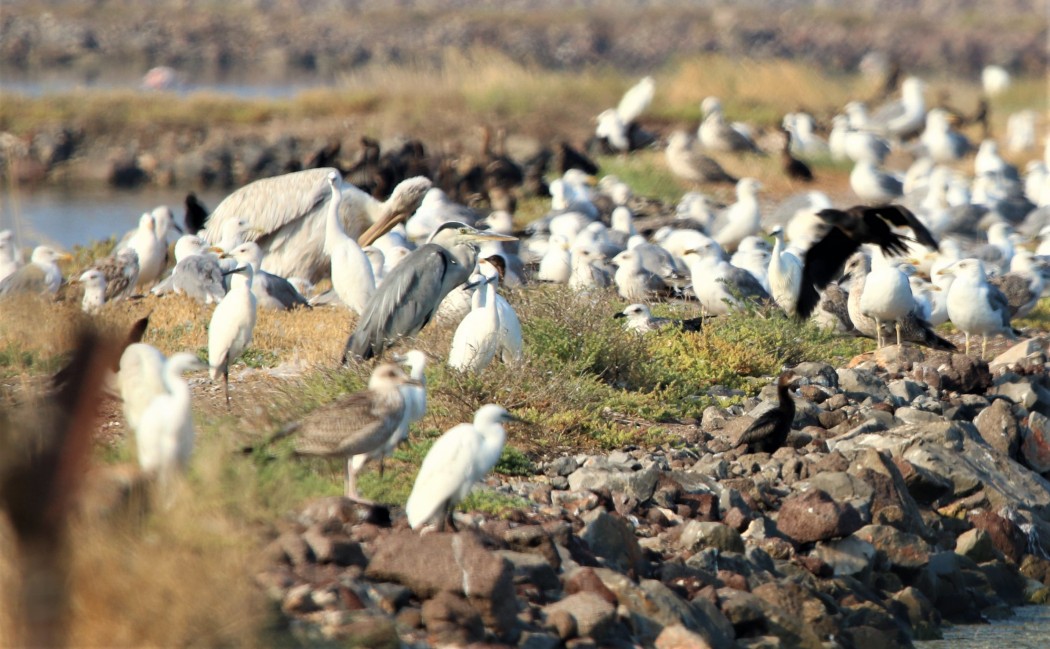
x=925, y=245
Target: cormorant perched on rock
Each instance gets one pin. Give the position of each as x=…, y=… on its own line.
x=849, y=230
x=770, y=431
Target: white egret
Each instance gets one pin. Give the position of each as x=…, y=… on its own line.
x=231, y=327
x=353, y=277
x=164, y=435
x=785, y=274
x=459, y=458
x=476, y=340
x=510, y=339
x=139, y=379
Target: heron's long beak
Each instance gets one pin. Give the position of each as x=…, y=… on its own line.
x=478, y=283
x=481, y=235
x=510, y=417
x=234, y=270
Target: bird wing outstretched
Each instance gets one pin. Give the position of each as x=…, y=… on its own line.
x=403, y=304
x=901, y=216
x=636, y=100
x=822, y=263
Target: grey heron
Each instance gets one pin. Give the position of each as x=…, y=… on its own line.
x=287, y=217
x=411, y=293
x=231, y=326
x=458, y=459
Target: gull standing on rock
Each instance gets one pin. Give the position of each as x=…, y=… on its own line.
x=458, y=459
x=886, y=297
x=231, y=327
x=975, y=306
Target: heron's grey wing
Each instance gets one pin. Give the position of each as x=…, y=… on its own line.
x=269, y=204
x=200, y=277
x=405, y=301
x=27, y=279
x=282, y=290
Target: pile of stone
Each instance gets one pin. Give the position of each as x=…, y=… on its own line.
x=910, y=494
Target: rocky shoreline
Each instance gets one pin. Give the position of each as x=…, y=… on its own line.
x=911, y=493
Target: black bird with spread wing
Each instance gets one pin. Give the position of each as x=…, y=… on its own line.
x=849, y=230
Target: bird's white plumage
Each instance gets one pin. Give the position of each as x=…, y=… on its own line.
x=94, y=290
x=140, y=379
x=476, y=340
x=785, y=274
x=164, y=435
x=150, y=248
x=458, y=459
x=232, y=323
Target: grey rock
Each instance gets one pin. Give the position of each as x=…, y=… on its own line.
x=976, y=545
x=594, y=616
x=1020, y=392
x=905, y=390
x=895, y=549
x=636, y=484
x=859, y=384
x=613, y=540
x=1015, y=354
x=998, y=426
x=850, y=556
x=818, y=373
x=532, y=569
x=843, y=488
x=696, y=535
x=912, y=415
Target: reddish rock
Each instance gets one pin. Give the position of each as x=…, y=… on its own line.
x=456, y=563
x=585, y=580
x=737, y=519
x=451, y=620
x=677, y=636
x=895, y=548
x=1035, y=443
x=733, y=580
x=814, y=516
x=1006, y=536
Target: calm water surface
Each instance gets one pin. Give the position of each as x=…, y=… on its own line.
x=65, y=218
x=1029, y=628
